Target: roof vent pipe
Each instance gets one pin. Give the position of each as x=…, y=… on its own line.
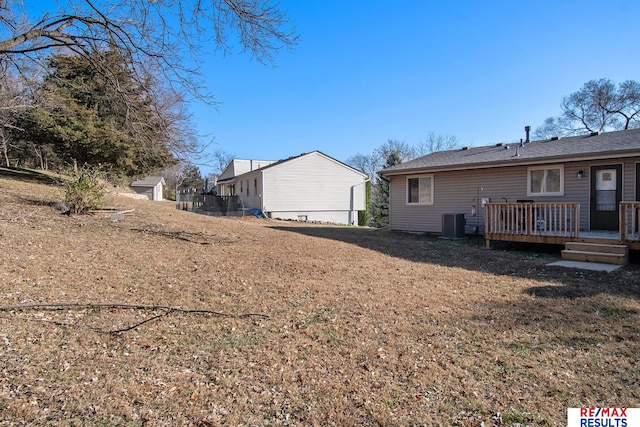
x=527, y=129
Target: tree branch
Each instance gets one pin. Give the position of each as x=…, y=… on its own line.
x=83, y=305
x=61, y=305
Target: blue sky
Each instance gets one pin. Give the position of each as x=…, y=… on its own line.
x=367, y=71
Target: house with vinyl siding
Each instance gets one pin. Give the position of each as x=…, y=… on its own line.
x=308, y=187
x=563, y=186
x=227, y=179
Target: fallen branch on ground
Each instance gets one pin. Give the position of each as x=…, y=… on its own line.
x=110, y=211
x=80, y=305
x=187, y=236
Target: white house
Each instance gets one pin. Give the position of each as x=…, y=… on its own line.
x=227, y=179
x=151, y=186
x=308, y=187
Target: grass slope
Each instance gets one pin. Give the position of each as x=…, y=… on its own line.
x=364, y=328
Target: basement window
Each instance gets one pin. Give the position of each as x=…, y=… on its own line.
x=420, y=190
x=545, y=181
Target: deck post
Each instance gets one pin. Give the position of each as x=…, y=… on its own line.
x=487, y=221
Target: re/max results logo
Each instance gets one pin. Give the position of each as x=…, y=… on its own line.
x=603, y=417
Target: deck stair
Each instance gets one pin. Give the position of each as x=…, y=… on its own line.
x=596, y=252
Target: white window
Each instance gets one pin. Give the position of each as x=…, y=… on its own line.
x=545, y=181
x=420, y=190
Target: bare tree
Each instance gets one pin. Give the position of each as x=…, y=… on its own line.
x=598, y=106
x=371, y=164
x=436, y=142
x=401, y=148
x=627, y=104
x=13, y=103
x=220, y=161
x=157, y=37
x=368, y=164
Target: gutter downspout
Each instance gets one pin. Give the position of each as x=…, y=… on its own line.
x=352, y=211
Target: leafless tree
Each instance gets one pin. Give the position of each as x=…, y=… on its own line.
x=436, y=142
x=627, y=104
x=220, y=161
x=163, y=36
x=13, y=102
x=599, y=105
x=404, y=150
x=368, y=164
x=372, y=163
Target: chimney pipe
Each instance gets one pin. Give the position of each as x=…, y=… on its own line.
x=527, y=129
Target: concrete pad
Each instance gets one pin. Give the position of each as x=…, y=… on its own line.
x=593, y=266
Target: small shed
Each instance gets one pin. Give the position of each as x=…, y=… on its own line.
x=151, y=186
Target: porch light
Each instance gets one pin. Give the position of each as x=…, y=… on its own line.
x=580, y=174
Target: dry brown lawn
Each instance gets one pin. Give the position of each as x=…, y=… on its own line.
x=314, y=324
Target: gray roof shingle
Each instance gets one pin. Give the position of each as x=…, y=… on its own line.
x=604, y=145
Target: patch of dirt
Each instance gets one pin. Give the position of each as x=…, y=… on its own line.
x=307, y=324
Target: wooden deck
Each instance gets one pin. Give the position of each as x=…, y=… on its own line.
x=556, y=223
x=630, y=224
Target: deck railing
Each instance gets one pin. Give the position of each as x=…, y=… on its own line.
x=630, y=221
x=530, y=221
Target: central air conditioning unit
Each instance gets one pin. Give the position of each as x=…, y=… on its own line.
x=453, y=226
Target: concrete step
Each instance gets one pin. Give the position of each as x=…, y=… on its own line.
x=596, y=252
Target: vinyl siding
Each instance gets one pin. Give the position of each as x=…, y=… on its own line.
x=254, y=198
x=312, y=182
x=629, y=183
x=456, y=192
x=313, y=187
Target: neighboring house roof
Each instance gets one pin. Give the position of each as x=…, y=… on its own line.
x=238, y=167
x=222, y=181
x=625, y=143
x=280, y=162
x=150, y=181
